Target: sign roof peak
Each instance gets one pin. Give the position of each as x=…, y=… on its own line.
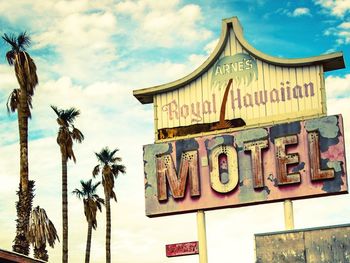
x=331, y=61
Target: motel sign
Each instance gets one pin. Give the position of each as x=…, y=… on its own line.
x=293, y=160
x=242, y=129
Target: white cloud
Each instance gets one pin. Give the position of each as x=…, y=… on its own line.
x=84, y=42
x=341, y=32
x=209, y=48
x=338, y=101
x=7, y=77
x=338, y=86
x=335, y=7
x=345, y=25
x=164, y=23
x=301, y=11
x=79, y=31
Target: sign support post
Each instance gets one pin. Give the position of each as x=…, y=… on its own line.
x=202, y=237
x=288, y=214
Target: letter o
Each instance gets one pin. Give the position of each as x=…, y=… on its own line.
x=232, y=163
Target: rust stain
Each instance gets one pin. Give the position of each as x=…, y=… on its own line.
x=321, y=245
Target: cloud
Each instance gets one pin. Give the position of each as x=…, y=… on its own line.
x=341, y=32
x=158, y=24
x=83, y=42
x=209, y=48
x=301, y=11
x=334, y=7
x=338, y=87
x=78, y=33
x=338, y=101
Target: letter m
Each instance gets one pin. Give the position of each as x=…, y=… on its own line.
x=166, y=172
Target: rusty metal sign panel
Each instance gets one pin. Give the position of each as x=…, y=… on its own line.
x=286, y=161
x=182, y=249
x=322, y=244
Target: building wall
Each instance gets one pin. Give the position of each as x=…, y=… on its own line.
x=318, y=245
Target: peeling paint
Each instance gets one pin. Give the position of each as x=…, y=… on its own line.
x=299, y=167
x=327, y=126
x=284, y=130
x=318, y=245
x=250, y=135
x=244, y=191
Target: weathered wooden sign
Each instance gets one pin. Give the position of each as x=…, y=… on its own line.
x=181, y=249
x=286, y=161
x=240, y=86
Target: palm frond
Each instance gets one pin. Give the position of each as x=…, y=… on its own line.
x=77, y=135
x=11, y=39
x=99, y=206
x=111, y=169
x=91, y=200
x=41, y=230
x=10, y=57
x=106, y=156
x=23, y=40
x=108, y=183
x=94, y=186
x=78, y=193
x=30, y=73
x=55, y=109
x=99, y=157
x=96, y=170
x=112, y=153
x=69, y=115
x=13, y=100
x=118, y=168
x=70, y=153
x=116, y=159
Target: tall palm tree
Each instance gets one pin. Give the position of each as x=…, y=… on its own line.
x=41, y=231
x=92, y=202
x=66, y=134
x=20, y=101
x=110, y=169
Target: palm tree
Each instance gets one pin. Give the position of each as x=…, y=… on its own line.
x=41, y=231
x=92, y=202
x=66, y=134
x=20, y=101
x=110, y=169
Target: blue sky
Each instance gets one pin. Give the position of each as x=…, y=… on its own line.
x=92, y=54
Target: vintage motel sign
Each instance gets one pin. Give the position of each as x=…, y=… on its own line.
x=287, y=161
x=244, y=128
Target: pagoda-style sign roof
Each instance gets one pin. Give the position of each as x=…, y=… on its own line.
x=239, y=87
x=331, y=61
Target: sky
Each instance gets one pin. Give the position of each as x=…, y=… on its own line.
x=91, y=54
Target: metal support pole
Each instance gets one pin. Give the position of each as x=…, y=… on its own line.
x=202, y=237
x=288, y=215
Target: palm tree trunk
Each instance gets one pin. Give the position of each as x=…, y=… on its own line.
x=41, y=253
x=21, y=244
x=108, y=228
x=23, y=207
x=224, y=101
x=64, y=210
x=88, y=243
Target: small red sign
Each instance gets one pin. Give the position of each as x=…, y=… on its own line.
x=182, y=249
